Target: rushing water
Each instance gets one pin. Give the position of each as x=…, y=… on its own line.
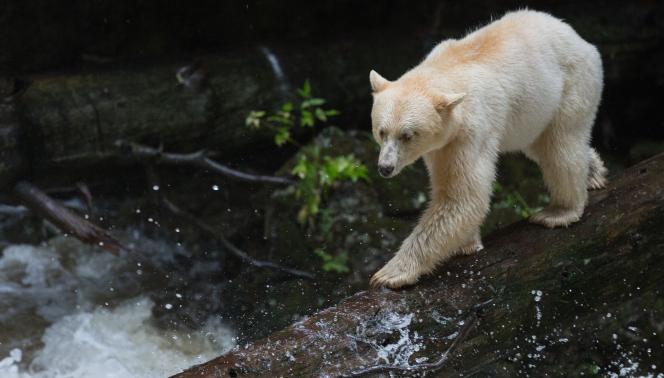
x=67, y=310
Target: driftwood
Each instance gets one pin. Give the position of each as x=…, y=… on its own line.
x=67, y=221
x=586, y=299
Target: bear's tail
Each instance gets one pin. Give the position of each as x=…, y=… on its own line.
x=597, y=172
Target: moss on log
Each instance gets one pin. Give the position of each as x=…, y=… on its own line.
x=76, y=118
x=586, y=299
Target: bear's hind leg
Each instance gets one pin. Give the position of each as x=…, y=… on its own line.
x=597, y=175
x=565, y=161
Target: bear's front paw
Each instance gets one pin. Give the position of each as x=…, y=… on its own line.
x=394, y=275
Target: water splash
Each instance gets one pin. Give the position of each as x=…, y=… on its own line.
x=390, y=325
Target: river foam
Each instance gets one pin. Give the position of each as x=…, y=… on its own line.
x=56, y=319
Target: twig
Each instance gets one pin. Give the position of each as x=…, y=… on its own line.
x=428, y=367
x=230, y=246
x=12, y=210
x=198, y=159
x=87, y=195
x=243, y=256
x=64, y=219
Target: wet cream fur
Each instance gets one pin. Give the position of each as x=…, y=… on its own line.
x=526, y=82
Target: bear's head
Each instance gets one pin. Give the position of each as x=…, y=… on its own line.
x=410, y=118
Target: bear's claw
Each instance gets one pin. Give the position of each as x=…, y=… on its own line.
x=472, y=248
x=393, y=277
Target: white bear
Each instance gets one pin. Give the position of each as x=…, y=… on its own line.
x=526, y=82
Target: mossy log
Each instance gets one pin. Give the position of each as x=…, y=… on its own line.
x=584, y=299
x=74, y=118
x=71, y=120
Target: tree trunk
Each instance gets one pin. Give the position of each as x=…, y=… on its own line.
x=585, y=299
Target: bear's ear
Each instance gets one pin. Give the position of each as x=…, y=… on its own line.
x=442, y=101
x=378, y=83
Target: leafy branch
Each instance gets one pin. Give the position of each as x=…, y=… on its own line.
x=317, y=170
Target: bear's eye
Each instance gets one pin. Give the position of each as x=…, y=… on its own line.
x=406, y=137
x=381, y=134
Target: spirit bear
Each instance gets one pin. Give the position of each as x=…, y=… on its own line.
x=526, y=82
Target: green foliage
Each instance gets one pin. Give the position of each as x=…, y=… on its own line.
x=513, y=200
x=317, y=170
x=337, y=263
x=307, y=113
x=320, y=173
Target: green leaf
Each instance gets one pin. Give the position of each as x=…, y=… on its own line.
x=337, y=263
x=253, y=120
x=281, y=118
x=287, y=107
x=320, y=114
x=307, y=119
x=316, y=101
x=305, y=91
x=301, y=167
x=282, y=136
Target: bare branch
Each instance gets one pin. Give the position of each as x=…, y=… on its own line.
x=199, y=159
x=237, y=252
x=230, y=246
x=87, y=195
x=13, y=210
x=67, y=221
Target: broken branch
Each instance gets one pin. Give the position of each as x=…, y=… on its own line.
x=243, y=256
x=237, y=252
x=67, y=221
x=198, y=159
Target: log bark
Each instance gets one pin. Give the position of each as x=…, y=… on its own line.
x=585, y=299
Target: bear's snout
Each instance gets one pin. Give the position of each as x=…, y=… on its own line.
x=385, y=170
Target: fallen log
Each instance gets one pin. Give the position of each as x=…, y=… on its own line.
x=72, y=120
x=64, y=219
x=585, y=299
